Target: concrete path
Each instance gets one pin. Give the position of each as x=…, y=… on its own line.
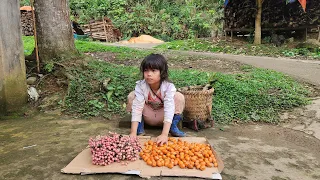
x=305, y=70
x=38, y=147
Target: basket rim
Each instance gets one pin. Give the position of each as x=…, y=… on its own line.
x=190, y=90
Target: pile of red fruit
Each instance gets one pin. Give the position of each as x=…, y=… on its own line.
x=113, y=148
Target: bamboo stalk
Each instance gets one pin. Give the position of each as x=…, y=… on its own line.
x=35, y=35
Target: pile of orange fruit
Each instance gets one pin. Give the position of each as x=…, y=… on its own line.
x=178, y=153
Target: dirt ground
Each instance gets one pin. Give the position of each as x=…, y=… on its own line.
x=37, y=145
x=180, y=61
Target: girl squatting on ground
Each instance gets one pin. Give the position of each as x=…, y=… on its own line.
x=155, y=100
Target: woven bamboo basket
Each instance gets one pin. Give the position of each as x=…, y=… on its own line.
x=198, y=102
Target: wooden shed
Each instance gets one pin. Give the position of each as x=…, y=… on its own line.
x=102, y=30
x=26, y=20
x=277, y=15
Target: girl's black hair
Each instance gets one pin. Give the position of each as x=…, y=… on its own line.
x=155, y=61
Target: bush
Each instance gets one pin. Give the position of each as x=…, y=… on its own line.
x=24, y=2
x=167, y=19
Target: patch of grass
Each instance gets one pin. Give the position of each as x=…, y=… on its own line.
x=246, y=49
x=301, y=52
x=28, y=44
x=86, y=95
x=122, y=53
x=258, y=95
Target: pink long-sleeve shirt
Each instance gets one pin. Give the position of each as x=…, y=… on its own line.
x=142, y=90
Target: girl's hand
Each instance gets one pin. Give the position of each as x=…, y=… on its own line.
x=162, y=139
x=133, y=135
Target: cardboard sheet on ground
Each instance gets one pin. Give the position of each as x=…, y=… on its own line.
x=82, y=164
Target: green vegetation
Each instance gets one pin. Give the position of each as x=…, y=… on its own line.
x=256, y=95
x=90, y=46
x=28, y=44
x=122, y=52
x=24, y=2
x=166, y=19
x=234, y=48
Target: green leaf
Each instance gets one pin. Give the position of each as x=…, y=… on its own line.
x=110, y=88
x=109, y=94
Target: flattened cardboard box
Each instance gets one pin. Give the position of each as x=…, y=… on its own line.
x=82, y=164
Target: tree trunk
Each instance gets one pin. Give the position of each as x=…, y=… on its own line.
x=257, y=31
x=13, y=86
x=54, y=31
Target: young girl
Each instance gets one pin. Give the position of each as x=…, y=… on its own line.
x=155, y=100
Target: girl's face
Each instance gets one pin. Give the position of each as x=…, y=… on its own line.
x=152, y=76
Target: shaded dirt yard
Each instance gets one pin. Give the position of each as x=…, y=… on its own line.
x=180, y=61
x=288, y=150
x=249, y=151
